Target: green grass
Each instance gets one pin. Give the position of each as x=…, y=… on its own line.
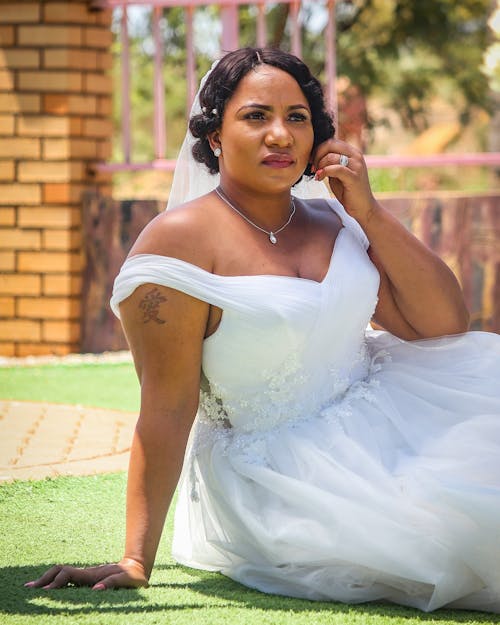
x=80, y=520
x=97, y=385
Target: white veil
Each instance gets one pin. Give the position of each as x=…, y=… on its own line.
x=192, y=179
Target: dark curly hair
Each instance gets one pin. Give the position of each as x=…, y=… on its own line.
x=223, y=81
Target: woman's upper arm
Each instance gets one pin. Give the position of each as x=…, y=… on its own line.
x=387, y=314
x=165, y=330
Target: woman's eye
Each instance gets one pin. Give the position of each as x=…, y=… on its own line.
x=255, y=115
x=298, y=117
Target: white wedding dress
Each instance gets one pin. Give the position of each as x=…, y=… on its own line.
x=331, y=462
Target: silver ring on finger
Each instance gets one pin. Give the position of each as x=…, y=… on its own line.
x=344, y=160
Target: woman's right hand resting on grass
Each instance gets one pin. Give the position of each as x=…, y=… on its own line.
x=125, y=574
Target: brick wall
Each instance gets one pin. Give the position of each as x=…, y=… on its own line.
x=55, y=106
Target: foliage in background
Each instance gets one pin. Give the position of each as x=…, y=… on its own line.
x=173, y=27
x=403, y=51
x=491, y=58
x=407, y=49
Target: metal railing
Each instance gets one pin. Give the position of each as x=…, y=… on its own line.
x=229, y=41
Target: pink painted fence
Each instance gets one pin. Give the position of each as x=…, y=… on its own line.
x=229, y=41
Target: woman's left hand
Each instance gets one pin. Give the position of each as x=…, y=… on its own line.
x=348, y=180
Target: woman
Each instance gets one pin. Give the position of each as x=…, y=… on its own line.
x=325, y=462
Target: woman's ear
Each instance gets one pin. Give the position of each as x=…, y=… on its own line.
x=214, y=140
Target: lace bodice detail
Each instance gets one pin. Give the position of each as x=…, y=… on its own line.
x=286, y=395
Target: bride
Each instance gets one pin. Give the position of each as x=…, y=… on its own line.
x=319, y=459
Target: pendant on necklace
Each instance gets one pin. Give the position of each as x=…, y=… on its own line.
x=272, y=238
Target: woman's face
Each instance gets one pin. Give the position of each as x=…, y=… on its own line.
x=266, y=135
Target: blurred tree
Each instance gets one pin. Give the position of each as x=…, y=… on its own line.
x=491, y=69
x=410, y=50
x=491, y=59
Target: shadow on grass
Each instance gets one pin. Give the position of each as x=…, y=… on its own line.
x=203, y=591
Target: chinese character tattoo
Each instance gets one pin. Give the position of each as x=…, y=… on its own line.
x=150, y=305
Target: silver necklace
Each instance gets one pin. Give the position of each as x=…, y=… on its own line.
x=270, y=233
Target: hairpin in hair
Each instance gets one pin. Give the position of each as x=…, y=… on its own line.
x=213, y=112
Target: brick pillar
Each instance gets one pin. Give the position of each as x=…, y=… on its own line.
x=55, y=109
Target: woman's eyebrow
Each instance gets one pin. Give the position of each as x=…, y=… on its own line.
x=255, y=105
x=267, y=107
x=298, y=106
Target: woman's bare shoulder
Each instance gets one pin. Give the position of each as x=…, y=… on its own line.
x=183, y=232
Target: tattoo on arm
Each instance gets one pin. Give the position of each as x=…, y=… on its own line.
x=150, y=305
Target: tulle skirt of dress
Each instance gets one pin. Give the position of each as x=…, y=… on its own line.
x=390, y=493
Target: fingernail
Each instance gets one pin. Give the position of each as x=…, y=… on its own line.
x=318, y=175
x=29, y=584
x=45, y=587
x=99, y=587
x=313, y=169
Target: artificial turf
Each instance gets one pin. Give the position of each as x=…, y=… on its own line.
x=96, y=385
x=80, y=520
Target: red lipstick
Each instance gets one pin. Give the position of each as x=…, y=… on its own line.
x=278, y=160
